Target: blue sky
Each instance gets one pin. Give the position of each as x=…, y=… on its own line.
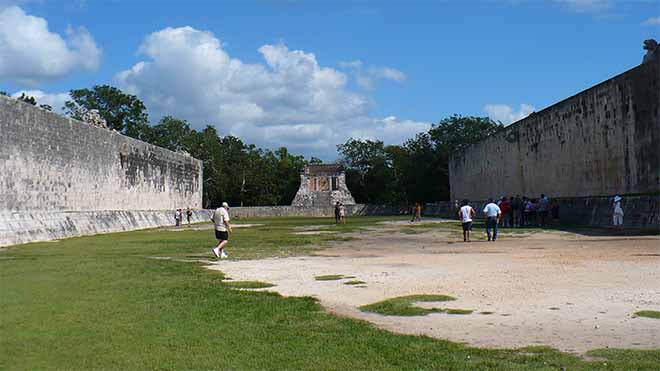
x=309, y=74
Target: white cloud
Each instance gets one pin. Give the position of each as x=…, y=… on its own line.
x=55, y=100
x=652, y=21
x=506, y=114
x=30, y=53
x=289, y=100
x=586, y=6
x=366, y=79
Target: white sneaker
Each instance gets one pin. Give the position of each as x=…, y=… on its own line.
x=224, y=255
x=215, y=252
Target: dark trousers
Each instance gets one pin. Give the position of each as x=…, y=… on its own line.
x=491, y=223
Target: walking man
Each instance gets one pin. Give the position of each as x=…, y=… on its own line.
x=465, y=214
x=617, y=213
x=220, y=218
x=337, y=213
x=542, y=210
x=177, y=217
x=492, y=213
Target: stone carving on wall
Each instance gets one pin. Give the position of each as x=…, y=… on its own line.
x=93, y=117
x=323, y=185
x=651, y=47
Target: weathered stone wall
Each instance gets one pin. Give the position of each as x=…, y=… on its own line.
x=18, y=227
x=601, y=141
x=59, y=174
x=52, y=163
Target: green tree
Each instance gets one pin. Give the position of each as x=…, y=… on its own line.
x=456, y=133
x=122, y=112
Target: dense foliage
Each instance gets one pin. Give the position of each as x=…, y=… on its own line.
x=242, y=174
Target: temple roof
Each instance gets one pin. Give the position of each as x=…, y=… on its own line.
x=324, y=169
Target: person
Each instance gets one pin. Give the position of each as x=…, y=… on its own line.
x=221, y=219
x=418, y=212
x=506, y=210
x=342, y=213
x=492, y=213
x=465, y=214
x=542, y=210
x=528, y=211
x=177, y=217
x=554, y=210
x=337, y=213
x=617, y=213
x=516, y=211
x=188, y=215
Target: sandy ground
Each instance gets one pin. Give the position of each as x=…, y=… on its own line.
x=571, y=292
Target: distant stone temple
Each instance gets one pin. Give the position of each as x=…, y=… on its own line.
x=323, y=185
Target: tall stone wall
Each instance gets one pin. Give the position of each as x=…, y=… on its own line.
x=52, y=164
x=601, y=141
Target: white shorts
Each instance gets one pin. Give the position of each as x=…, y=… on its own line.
x=617, y=219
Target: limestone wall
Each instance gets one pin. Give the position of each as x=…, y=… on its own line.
x=601, y=141
x=62, y=177
x=52, y=163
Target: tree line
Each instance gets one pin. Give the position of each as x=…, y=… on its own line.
x=243, y=174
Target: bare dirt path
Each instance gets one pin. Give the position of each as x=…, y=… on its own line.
x=567, y=291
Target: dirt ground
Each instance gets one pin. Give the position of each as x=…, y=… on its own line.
x=568, y=291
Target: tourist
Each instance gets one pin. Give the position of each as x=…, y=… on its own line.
x=528, y=209
x=188, y=215
x=506, y=211
x=617, y=213
x=221, y=219
x=177, y=217
x=516, y=211
x=492, y=213
x=465, y=214
x=554, y=210
x=418, y=212
x=542, y=210
x=337, y=213
x=342, y=213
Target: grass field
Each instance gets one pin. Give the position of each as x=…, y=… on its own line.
x=139, y=301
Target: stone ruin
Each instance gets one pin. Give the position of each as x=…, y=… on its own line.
x=93, y=117
x=651, y=47
x=323, y=185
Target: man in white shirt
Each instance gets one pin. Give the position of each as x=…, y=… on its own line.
x=465, y=214
x=492, y=213
x=220, y=218
x=617, y=213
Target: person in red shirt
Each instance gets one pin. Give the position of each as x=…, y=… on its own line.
x=505, y=206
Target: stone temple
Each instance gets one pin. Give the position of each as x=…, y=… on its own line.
x=323, y=185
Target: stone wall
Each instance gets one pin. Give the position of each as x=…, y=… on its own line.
x=61, y=177
x=322, y=185
x=52, y=163
x=18, y=227
x=599, y=142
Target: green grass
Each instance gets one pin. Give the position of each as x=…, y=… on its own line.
x=648, y=314
x=103, y=303
x=329, y=277
x=247, y=284
x=486, y=312
x=403, y=305
x=458, y=311
x=354, y=282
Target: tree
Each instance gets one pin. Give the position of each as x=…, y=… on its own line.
x=122, y=112
x=456, y=133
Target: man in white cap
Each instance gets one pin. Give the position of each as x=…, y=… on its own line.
x=617, y=213
x=222, y=229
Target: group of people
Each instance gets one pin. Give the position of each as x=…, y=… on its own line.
x=340, y=213
x=508, y=212
x=178, y=216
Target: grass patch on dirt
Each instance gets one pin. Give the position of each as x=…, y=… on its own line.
x=354, y=282
x=248, y=284
x=458, y=311
x=648, y=314
x=100, y=303
x=329, y=277
x=486, y=312
x=403, y=305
